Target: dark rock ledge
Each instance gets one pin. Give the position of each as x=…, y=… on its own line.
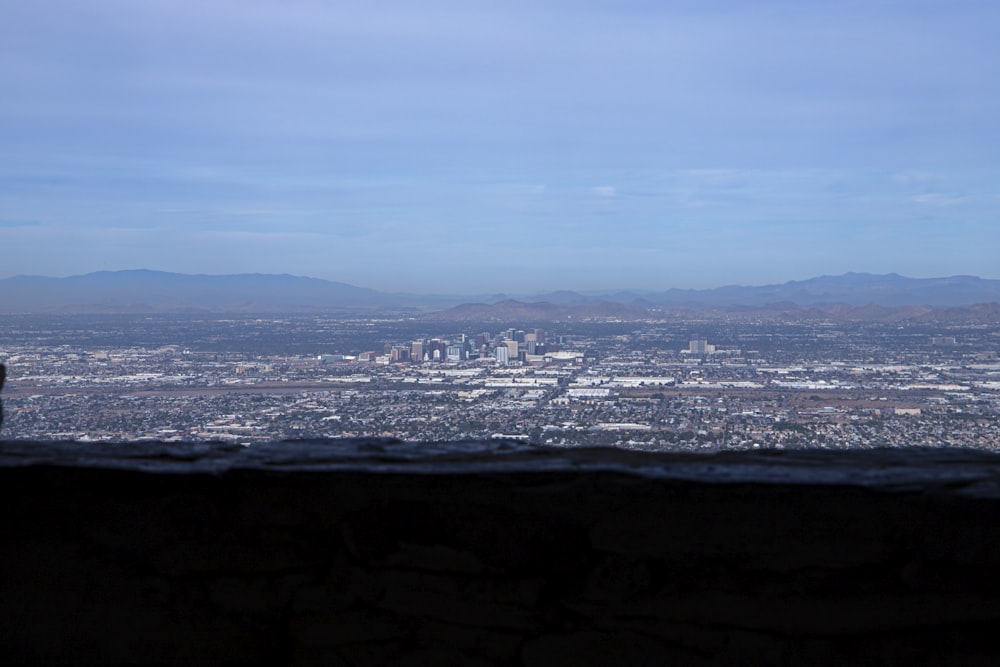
x=378, y=552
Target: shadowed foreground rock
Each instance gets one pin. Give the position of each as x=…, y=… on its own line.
x=3, y=377
x=374, y=552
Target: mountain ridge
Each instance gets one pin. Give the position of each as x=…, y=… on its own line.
x=146, y=290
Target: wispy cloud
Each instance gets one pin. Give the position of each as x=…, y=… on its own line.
x=420, y=130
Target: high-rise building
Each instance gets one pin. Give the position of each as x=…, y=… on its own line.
x=437, y=349
x=503, y=355
x=417, y=351
x=700, y=346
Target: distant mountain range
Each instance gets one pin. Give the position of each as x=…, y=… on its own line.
x=849, y=296
x=143, y=291
x=856, y=289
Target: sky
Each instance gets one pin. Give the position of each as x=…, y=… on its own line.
x=466, y=146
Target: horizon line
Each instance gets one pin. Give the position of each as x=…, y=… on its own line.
x=593, y=291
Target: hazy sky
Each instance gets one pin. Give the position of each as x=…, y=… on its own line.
x=501, y=146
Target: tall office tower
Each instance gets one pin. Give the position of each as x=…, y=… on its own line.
x=511, y=347
x=509, y=334
x=456, y=352
x=437, y=349
x=519, y=336
x=532, y=346
x=503, y=355
x=540, y=335
x=700, y=346
x=417, y=351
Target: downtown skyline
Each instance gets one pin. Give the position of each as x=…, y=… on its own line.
x=560, y=145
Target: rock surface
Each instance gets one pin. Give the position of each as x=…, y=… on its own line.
x=3, y=377
x=380, y=552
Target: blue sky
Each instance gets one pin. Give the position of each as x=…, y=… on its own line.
x=481, y=146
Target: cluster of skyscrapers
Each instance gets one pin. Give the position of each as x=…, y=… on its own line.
x=510, y=345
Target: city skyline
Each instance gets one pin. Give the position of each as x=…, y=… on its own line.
x=671, y=383
x=579, y=146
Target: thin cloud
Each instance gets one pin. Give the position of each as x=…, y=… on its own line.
x=421, y=129
x=20, y=223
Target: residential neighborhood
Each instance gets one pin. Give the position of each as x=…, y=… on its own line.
x=659, y=385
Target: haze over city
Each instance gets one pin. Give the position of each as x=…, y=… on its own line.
x=469, y=147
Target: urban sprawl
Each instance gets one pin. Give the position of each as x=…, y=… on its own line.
x=699, y=384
